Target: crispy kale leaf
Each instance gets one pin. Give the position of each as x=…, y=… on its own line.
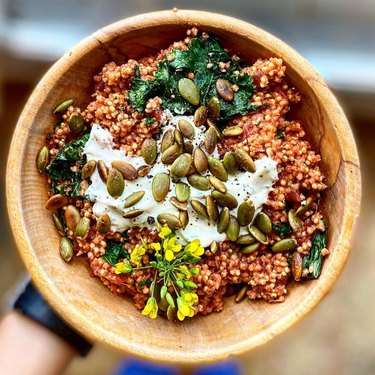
x=114, y=252
x=283, y=229
x=315, y=256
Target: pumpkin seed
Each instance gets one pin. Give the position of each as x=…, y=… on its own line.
x=167, y=140
x=284, y=245
x=128, y=171
x=58, y=224
x=103, y=224
x=213, y=107
x=212, y=125
x=199, y=208
x=103, y=171
x=72, y=217
x=200, y=116
x=188, y=147
x=42, y=159
x=212, y=210
x=242, y=293
x=258, y=234
x=192, y=170
x=225, y=199
x=214, y=247
x=188, y=90
x=83, y=227
x=223, y=222
x=163, y=304
x=244, y=160
x=171, y=220
x=305, y=207
x=182, y=191
x=210, y=140
x=134, y=198
x=217, y=184
x=230, y=163
x=66, y=249
x=297, y=265
x=250, y=248
x=132, y=214
x=200, y=160
x=224, y=89
x=294, y=221
x=76, y=123
x=182, y=206
x=233, y=229
x=263, y=222
x=199, y=182
x=160, y=186
x=184, y=218
x=149, y=150
x=245, y=239
x=172, y=314
x=178, y=137
x=186, y=129
x=88, y=169
x=63, y=106
x=232, y=131
x=143, y=170
x=181, y=165
x=56, y=201
x=245, y=213
x=171, y=154
x=216, y=167
x=115, y=183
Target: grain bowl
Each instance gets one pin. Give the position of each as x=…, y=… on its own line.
x=117, y=57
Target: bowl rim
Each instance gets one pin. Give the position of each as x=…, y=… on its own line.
x=14, y=165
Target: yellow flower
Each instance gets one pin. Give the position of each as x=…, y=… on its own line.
x=195, y=248
x=123, y=267
x=136, y=255
x=170, y=247
x=156, y=246
x=184, y=309
x=164, y=231
x=151, y=308
x=189, y=297
x=184, y=273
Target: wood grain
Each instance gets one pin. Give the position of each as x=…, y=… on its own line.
x=81, y=299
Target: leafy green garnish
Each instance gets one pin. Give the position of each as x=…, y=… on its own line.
x=315, y=256
x=115, y=251
x=283, y=229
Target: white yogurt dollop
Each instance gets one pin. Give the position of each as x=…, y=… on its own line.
x=244, y=185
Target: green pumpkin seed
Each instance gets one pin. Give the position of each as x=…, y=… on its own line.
x=242, y=293
x=134, y=198
x=163, y=304
x=200, y=161
x=186, y=129
x=103, y=224
x=224, y=89
x=212, y=125
x=56, y=201
x=171, y=154
x=212, y=210
x=294, y=221
x=188, y=90
x=244, y=160
x=83, y=227
x=232, y=131
x=303, y=208
x=184, y=218
x=199, y=182
x=181, y=165
x=132, y=214
x=178, y=137
x=63, y=106
x=245, y=239
x=160, y=186
x=214, y=247
x=213, y=107
x=284, y=245
x=192, y=170
x=103, y=171
x=72, y=217
x=182, y=206
x=188, y=147
x=88, y=169
x=223, y=222
x=258, y=234
x=66, y=249
x=230, y=163
x=245, y=213
x=115, y=183
x=199, y=208
x=233, y=229
x=167, y=140
x=210, y=140
x=297, y=263
x=58, y=224
x=225, y=199
x=76, y=123
x=149, y=150
x=250, y=248
x=128, y=171
x=171, y=220
x=182, y=191
x=217, y=184
x=200, y=116
x=263, y=222
x=172, y=314
x=216, y=167
x=143, y=170
x=42, y=159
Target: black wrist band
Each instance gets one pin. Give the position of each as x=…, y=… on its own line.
x=33, y=305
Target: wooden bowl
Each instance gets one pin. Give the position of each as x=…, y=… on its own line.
x=82, y=300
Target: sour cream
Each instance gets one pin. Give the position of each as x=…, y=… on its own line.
x=244, y=185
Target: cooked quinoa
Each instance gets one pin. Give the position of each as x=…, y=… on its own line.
x=266, y=131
